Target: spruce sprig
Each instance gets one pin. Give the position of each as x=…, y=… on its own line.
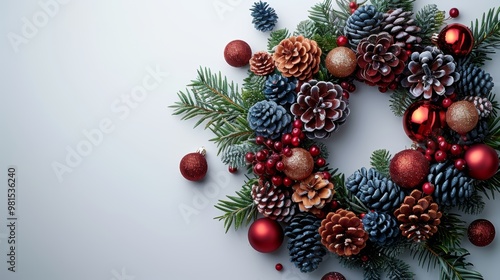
x=218, y=104
x=399, y=101
x=473, y=205
x=325, y=19
x=253, y=85
x=430, y=19
x=238, y=210
x=275, y=37
x=386, y=5
x=345, y=197
x=380, y=160
x=486, y=35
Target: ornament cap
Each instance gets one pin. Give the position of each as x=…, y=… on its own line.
x=201, y=150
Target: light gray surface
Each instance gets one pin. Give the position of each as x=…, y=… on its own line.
x=73, y=84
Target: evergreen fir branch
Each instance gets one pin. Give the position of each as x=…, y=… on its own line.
x=451, y=231
x=275, y=37
x=231, y=132
x=486, y=35
x=430, y=19
x=344, y=11
x=493, y=137
x=238, y=210
x=386, y=5
x=397, y=269
x=474, y=205
x=326, y=43
x=488, y=187
x=400, y=100
x=306, y=28
x=253, y=85
x=380, y=160
x=234, y=155
x=345, y=197
x=326, y=19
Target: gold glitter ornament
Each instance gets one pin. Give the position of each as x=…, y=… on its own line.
x=341, y=62
x=409, y=168
x=299, y=165
x=462, y=116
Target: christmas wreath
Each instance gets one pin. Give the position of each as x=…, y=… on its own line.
x=296, y=95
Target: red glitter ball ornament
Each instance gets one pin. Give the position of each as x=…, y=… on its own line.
x=265, y=235
x=456, y=39
x=333, y=276
x=237, y=53
x=481, y=232
x=409, y=168
x=482, y=161
x=423, y=119
x=193, y=166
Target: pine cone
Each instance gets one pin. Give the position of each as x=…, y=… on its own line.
x=273, y=202
x=483, y=105
x=342, y=233
x=312, y=193
x=321, y=107
x=297, y=57
x=304, y=242
x=380, y=61
x=264, y=17
x=280, y=89
x=269, y=119
x=402, y=27
x=418, y=216
x=375, y=191
x=431, y=73
x=473, y=80
x=452, y=186
x=382, y=228
x=262, y=63
x=366, y=20
x=476, y=135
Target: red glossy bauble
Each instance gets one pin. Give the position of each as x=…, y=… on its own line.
x=456, y=39
x=409, y=168
x=333, y=276
x=265, y=235
x=481, y=232
x=193, y=166
x=482, y=161
x=422, y=120
x=237, y=53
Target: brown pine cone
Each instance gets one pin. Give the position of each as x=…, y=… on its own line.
x=342, y=232
x=272, y=201
x=297, y=57
x=312, y=193
x=380, y=61
x=402, y=26
x=262, y=63
x=419, y=216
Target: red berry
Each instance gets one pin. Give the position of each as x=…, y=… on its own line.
x=440, y=156
x=353, y=5
x=296, y=131
x=345, y=94
x=444, y=146
x=428, y=188
x=456, y=149
x=409, y=46
x=460, y=164
x=362, y=215
x=344, y=85
x=296, y=141
x=446, y=102
x=286, y=139
x=261, y=155
x=408, y=52
x=249, y=157
x=259, y=140
x=334, y=204
x=270, y=163
x=269, y=143
x=280, y=166
x=365, y=258
x=278, y=146
x=287, y=151
x=431, y=145
x=454, y=12
x=297, y=123
x=320, y=162
x=441, y=139
x=287, y=182
x=327, y=175
x=232, y=169
x=302, y=135
x=278, y=267
x=352, y=88
x=277, y=180
x=352, y=11
x=342, y=40
x=314, y=150
x=259, y=168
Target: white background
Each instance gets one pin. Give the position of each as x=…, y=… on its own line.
x=114, y=213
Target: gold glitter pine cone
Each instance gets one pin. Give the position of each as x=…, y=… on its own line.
x=342, y=232
x=262, y=63
x=297, y=57
x=419, y=216
x=313, y=193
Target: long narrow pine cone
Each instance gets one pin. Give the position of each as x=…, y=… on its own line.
x=313, y=193
x=473, y=80
x=262, y=63
x=304, y=242
x=272, y=201
x=418, y=216
x=342, y=232
x=297, y=57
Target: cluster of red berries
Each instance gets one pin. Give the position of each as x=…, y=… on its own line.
x=441, y=151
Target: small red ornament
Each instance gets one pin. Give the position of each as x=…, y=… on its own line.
x=193, y=166
x=428, y=188
x=237, y=53
x=454, y=12
x=265, y=235
x=456, y=39
x=409, y=168
x=278, y=267
x=299, y=165
x=333, y=276
x=481, y=232
x=423, y=119
x=482, y=161
x=342, y=41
